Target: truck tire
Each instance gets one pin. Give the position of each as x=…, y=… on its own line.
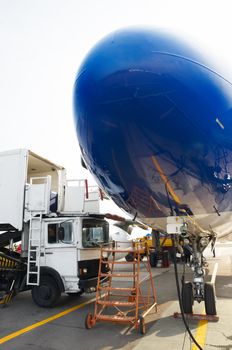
x=47, y=293
x=187, y=297
x=210, y=300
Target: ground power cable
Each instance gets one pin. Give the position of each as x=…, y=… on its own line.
x=179, y=297
x=183, y=345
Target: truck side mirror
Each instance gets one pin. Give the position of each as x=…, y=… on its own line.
x=61, y=233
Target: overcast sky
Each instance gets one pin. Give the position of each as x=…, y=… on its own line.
x=42, y=43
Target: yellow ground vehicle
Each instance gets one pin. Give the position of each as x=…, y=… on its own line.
x=157, y=251
x=145, y=241
x=165, y=242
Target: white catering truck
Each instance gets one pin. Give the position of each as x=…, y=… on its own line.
x=58, y=223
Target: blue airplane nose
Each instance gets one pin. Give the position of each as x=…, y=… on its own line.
x=154, y=124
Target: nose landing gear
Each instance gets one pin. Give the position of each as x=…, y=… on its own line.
x=191, y=240
x=199, y=290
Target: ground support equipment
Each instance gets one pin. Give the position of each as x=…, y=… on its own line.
x=125, y=296
x=12, y=271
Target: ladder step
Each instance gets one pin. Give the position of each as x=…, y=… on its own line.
x=114, y=318
x=115, y=303
x=120, y=262
x=32, y=283
x=135, y=251
x=118, y=275
x=119, y=289
x=33, y=266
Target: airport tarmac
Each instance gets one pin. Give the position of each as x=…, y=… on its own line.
x=24, y=326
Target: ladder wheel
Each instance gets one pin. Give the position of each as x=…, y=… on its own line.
x=89, y=322
x=142, y=326
x=47, y=293
x=210, y=300
x=187, y=297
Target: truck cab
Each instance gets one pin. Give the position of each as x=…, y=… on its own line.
x=69, y=257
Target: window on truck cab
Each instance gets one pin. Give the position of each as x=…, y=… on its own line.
x=94, y=232
x=53, y=233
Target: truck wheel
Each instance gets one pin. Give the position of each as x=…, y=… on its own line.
x=210, y=300
x=47, y=293
x=187, y=297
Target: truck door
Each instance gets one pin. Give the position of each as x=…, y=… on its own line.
x=60, y=249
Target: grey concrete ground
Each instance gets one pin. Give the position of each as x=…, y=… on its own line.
x=163, y=331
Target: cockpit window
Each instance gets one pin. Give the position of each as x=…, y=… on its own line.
x=95, y=232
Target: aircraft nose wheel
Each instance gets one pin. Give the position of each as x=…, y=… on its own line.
x=187, y=297
x=210, y=299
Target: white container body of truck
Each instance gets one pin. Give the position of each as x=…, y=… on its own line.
x=13, y=166
x=18, y=167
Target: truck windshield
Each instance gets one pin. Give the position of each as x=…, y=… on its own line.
x=95, y=232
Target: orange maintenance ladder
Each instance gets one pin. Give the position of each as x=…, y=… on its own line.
x=132, y=297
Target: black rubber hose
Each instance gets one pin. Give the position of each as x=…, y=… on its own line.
x=180, y=300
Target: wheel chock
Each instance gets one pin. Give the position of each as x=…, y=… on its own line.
x=211, y=318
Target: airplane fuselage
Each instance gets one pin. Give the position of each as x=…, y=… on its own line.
x=154, y=124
